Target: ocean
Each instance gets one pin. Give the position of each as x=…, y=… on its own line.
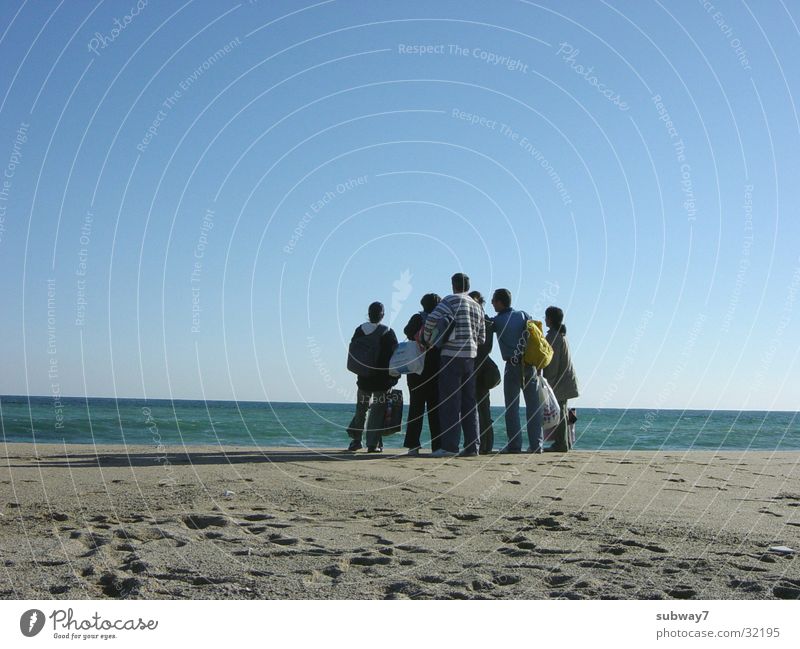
x=138, y=422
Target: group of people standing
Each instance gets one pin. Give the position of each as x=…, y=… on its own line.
x=459, y=373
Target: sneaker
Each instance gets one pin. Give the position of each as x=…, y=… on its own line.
x=466, y=453
x=535, y=451
x=442, y=453
x=506, y=449
x=375, y=449
x=354, y=445
x=555, y=449
x=413, y=452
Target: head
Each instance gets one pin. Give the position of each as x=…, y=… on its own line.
x=429, y=302
x=460, y=283
x=553, y=317
x=375, y=312
x=501, y=299
x=476, y=295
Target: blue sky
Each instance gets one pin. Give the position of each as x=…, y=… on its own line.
x=210, y=194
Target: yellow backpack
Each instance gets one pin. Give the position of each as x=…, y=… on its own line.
x=538, y=351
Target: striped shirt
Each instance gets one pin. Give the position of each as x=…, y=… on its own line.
x=469, y=329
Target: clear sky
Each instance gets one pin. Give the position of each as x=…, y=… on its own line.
x=200, y=199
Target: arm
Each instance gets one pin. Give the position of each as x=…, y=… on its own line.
x=565, y=362
x=481, y=331
x=431, y=321
x=388, y=345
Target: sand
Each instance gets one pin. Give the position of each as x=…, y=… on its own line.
x=82, y=522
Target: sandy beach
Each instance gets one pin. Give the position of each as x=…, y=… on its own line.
x=94, y=522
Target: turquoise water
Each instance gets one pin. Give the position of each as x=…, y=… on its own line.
x=153, y=422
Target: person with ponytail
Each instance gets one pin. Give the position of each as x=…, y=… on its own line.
x=560, y=374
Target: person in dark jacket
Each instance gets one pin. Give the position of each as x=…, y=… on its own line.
x=484, y=370
x=373, y=387
x=423, y=388
x=560, y=374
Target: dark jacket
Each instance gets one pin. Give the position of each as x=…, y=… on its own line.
x=486, y=370
x=432, y=356
x=379, y=381
x=485, y=348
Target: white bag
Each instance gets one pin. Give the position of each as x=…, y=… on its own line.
x=551, y=411
x=407, y=359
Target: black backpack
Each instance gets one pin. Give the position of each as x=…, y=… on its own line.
x=364, y=350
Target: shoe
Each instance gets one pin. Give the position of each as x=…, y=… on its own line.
x=505, y=449
x=466, y=453
x=442, y=453
x=354, y=445
x=535, y=451
x=413, y=452
x=375, y=449
x=555, y=449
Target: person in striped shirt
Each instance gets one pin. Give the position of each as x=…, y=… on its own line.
x=457, y=408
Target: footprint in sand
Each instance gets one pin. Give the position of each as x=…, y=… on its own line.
x=90, y=540
x=787, y=589
x=334, y=572
x=557, y=581
x=202, y=521
x=746, y=568
x=118, y=587
x=370, y=561
x=506, y=580
x=125, y=547
x=258, y=517
x=766, y=511
x=602, y=564
x=681, y=592
x=745, y=586
x=135, y=565
x=550, y=524
x=413, y=549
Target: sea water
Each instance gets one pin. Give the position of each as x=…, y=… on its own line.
x=139, y=422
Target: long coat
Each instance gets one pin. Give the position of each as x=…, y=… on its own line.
x=560, y=373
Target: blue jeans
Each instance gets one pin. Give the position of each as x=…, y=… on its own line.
x=457, y=409
x=512, y=384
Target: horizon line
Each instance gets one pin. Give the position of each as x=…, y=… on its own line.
x=345, y=403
